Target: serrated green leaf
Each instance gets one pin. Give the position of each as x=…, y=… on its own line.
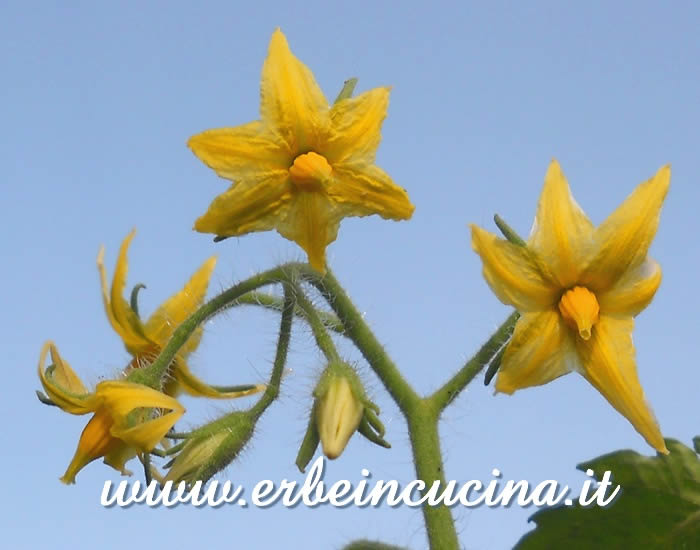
x=658, y=506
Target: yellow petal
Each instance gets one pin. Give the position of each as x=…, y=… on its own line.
x=198, y=388
x=540, y=350
x=632, y=292
x=622, y=241
x=311, y=222
x=122, y=318
x=356, y=123
x=513, y=273
x=118, y=457
x=62, y=385
x=365, y=189
x=121, y=398
x=247, y=207
x=608, y=363
x=95, y=441
x=144, y=436
x=562, y=233
x=161, y=325
x=291, y=101
x=245, y=153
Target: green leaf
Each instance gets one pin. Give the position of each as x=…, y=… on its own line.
x=658, y=506
x=371, y=545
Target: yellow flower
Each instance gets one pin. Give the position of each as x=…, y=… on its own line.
x=303, y=166
x=127, y=418
x=578, y=288
x=145, y=340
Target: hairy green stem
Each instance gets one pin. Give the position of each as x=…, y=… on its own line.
x=153, y=374
x=452, y=388
x=425, y=442
x=323, y=339
x=273, y=388
x=275, y=303
x=357, y=330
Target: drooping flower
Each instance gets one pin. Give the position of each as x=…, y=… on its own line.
x=145, y=340
x=578, y=289
x=304, y=165
x=127, y=418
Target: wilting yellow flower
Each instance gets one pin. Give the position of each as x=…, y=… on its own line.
x=578, y=289
x=127, y=418
x=304, y=165
x=145, y=340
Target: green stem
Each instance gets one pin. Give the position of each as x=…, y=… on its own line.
x=275, y=303
x=153, y=374
x=323, y=339
x=425, y=442
x=285, y=334
x=358, y=331
x=451, y=389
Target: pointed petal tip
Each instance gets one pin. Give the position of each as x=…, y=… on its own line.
x=554, y=165
x=278, y=40
x=663, y=176
x=67, y=480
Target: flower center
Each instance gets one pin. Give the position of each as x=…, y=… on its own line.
x=310, y=171
x=579, y=309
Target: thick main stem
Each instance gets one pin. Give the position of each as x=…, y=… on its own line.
x=427, y=456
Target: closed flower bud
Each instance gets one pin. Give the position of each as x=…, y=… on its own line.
x=339, y=408
x=211, y=448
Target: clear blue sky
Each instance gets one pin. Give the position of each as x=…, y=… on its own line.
x=97, y=102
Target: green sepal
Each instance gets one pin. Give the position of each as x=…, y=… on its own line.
x=494, y=365
x=309, y=444
x=508, y=232
x=367, y=430
x=134, y=298
x=347, y=89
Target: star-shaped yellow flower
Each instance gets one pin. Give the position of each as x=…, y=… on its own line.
x=127, y=418
x=304, y=165
x=578, y=288
x=145, y=340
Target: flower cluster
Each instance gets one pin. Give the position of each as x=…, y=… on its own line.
x=300, y=169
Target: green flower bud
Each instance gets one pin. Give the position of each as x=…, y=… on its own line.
x=338, y=408
x=211, y=448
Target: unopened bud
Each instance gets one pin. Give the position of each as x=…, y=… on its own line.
x=339, y=407
x=211, y=448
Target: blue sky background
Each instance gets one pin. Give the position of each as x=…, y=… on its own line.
x=97, y=102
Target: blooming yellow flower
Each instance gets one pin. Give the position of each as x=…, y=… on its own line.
x=578, y=289
x=127, y=418
x=145, y=340
x=303, y=166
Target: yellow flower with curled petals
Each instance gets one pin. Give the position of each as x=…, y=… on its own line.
x=145, y=340
x=304, y=165
x=578, y=289
x=127, y=418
